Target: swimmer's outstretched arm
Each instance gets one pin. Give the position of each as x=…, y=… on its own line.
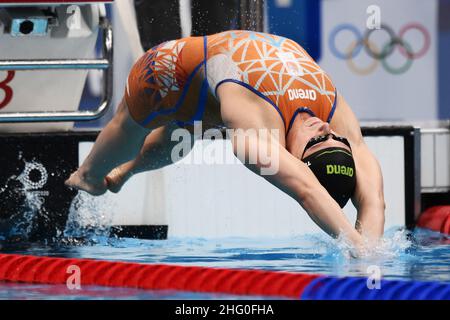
x=296, y=179
x=290, y=175
x=119, y=142
x=368, y=198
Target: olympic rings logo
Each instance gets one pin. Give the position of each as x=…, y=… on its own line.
x=379, y=53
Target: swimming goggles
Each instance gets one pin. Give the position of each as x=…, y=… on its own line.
x=319, y=139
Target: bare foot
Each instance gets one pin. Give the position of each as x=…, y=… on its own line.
x=83, y=182
x=117, y=177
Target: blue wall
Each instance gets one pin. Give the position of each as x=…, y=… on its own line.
x=300, y=21
x=444, y=59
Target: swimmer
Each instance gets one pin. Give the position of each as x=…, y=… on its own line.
x=245, y=80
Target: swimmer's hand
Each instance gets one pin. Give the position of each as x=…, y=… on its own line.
x=358, y=247
x=84, y=182
x=366, y=249
x=358, y=253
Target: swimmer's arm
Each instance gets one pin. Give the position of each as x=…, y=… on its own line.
x=241, y=111
x=294, y=178
x=368, y=198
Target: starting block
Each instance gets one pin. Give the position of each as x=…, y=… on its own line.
x=46, y=50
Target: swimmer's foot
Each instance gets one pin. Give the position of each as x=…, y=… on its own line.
x=118, y=176
x=83, y=182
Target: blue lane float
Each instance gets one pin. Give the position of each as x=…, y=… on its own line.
x=332, y=288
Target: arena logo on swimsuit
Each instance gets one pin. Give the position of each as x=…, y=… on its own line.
x=302, y=94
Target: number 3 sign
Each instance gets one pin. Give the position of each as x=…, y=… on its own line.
x=8, y=92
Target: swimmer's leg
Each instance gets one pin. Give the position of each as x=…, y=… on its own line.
x=156, y=153
x=119, y=142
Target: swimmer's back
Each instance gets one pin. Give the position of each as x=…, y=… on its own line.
x=275, y=68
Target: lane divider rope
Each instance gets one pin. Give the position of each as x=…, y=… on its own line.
x=436, y=218
x=332, y=288
x=33, y=269
x=50, y=270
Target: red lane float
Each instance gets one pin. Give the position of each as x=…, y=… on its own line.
x=436, y=218
x=32, y=269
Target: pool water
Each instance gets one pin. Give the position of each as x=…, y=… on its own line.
x=420, y=255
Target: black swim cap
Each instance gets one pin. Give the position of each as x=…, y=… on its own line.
x=335, y=169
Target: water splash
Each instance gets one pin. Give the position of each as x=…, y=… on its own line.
x=395, y=242
x=26, y=190
x=395, y=248
x=89, y=219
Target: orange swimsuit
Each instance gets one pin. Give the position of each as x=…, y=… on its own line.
x=275, y=68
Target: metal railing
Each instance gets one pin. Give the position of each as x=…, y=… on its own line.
x=105, y=64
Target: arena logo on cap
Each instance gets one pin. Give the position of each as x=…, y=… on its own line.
x=342, y=170
x=379, y=52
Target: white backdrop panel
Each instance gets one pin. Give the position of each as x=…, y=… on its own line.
x=381, y=95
